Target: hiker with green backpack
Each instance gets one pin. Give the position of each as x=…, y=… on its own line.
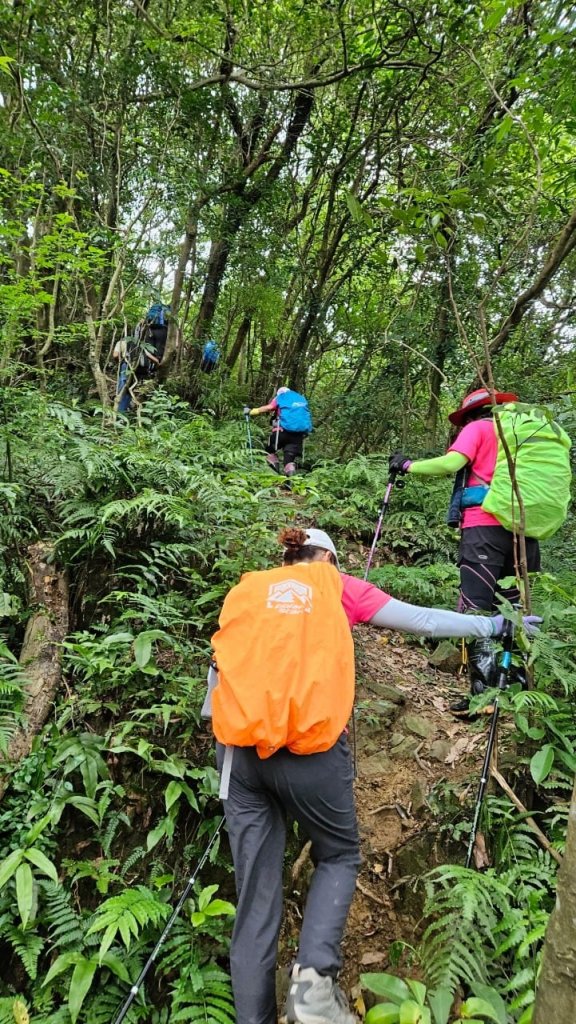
x=485, y=505
x=292, y=423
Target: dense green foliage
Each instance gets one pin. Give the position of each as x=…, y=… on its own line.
x=371, y=202
x=154, y=523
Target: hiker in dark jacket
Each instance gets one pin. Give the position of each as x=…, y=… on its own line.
x=291, y=424
x=137, y=362
x=487, y=551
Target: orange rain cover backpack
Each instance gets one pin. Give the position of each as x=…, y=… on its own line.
x=285, y=660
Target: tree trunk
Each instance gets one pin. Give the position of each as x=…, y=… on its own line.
x=186, y=246
x=556, y=995
x=238, y=343
x=439, y=358
x=243, y=201
x=215, y=270
x=41, y=655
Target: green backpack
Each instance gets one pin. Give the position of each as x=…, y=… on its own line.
x=541, y=453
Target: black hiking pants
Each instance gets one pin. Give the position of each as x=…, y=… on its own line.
x=316, y=791
x=291, y=441
x=486, y=556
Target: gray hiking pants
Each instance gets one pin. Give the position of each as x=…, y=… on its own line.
x=316, y=791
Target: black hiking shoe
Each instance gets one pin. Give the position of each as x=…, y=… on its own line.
x=460, y=707
x=461, y=710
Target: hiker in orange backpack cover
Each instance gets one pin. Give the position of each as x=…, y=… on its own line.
x=280, y=703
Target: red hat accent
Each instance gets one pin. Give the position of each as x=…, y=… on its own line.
x=476, y=399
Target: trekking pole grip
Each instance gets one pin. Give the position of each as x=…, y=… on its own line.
x=395, y=479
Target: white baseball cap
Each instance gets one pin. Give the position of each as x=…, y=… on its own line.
x=320, y=539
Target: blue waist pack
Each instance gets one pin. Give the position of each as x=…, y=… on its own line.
x=473, y=496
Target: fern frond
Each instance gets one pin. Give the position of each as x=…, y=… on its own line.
x=12, y=691
x=26, y=944
x=127, y=914
x=65, y=928
x=203, y=993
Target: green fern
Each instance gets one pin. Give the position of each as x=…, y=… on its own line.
x=132, y=859
x=200, y=991
x=115, y=819
x=12, y=689
x=487, y=927
x=103, y=1004
x=463, y=905
x=127, y=915
x=204, y=994
x=65, y=929
x=58, y=1016
x=27, y=945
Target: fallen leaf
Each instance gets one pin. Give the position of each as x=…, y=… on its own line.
x=439, y=704
x=372, y=958
x=465, y=745
x=481, y=858
x=360, y=1006
x=451, y=730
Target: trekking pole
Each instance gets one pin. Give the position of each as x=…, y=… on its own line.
x=391, y=482
x=185, y=895
x=501, y=680
x=246, y=411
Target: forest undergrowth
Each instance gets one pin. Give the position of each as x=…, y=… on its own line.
x=151, y=522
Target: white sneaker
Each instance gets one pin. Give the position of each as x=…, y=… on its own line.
x=316, y=999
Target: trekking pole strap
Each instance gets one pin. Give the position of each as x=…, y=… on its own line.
x=226, y=772
x=506, y=656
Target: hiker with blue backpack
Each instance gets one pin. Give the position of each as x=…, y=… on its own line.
x=485, y=505
x=292, y=422
x=210, y=356
x=155, y=332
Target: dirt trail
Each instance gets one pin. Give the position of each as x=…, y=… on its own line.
x=407, y=743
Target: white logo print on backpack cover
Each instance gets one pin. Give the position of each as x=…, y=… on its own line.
x=290, y=597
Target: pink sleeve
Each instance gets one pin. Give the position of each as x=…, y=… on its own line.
x=468, y=440
x=361, y=600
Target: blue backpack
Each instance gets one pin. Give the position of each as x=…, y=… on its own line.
x=294, y=412
x=156, y=315
x=211, y=352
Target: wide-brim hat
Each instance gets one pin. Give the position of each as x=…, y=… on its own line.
x=475, y=400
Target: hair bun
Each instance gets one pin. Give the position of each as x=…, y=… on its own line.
x=292, y=537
